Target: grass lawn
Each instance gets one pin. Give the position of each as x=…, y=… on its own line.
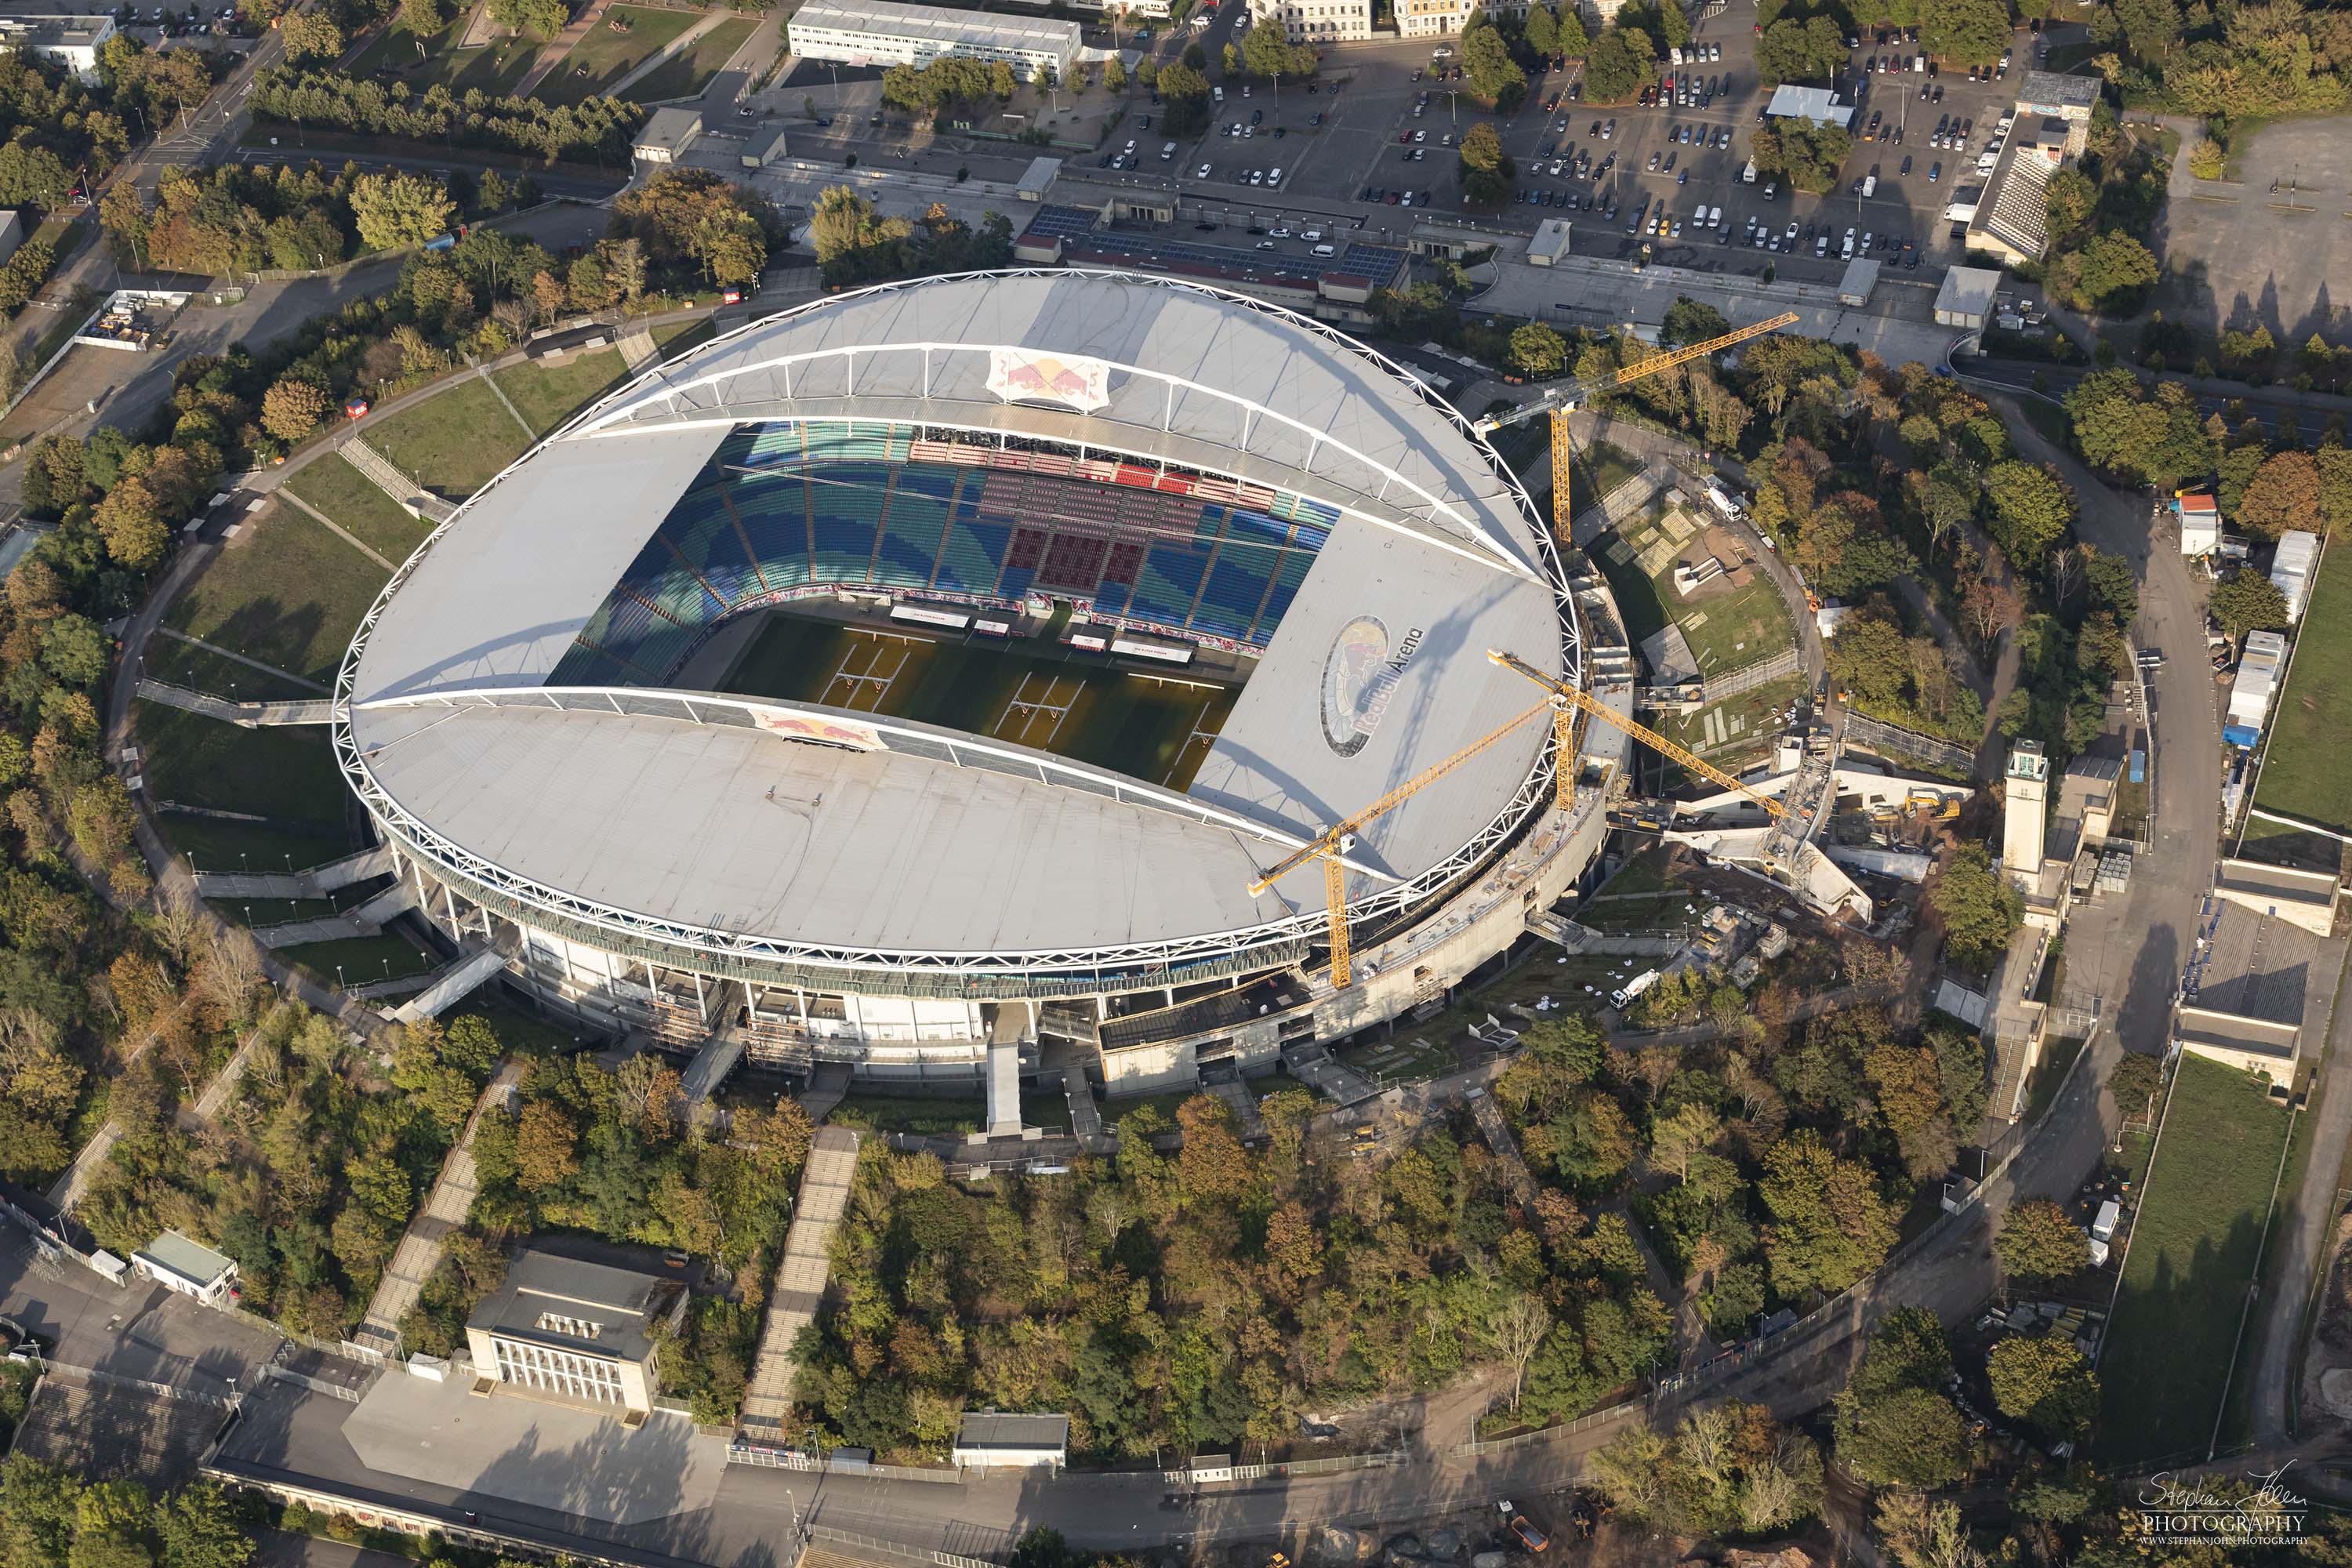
x=929, y=1117
x=1166, y=1104
x=2311, y=730
x=453, y=442
x=547, y=394
x=176, y=663
x=286, y=775
x=2279, y=844
x=689, y=70
x=358, y=507
x=287, y=592
x=518, y=1027
x=674, y=338
x=211, y=845
x=495, y=68
x=606, y=55
x=1409, y=1056
x=1737, y=728
x=2238, y=1416
x=1669, y=910
x=2200, y=1222
x=363, y=958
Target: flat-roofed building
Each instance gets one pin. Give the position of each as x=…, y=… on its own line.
x=990, y=1439
x=667, y=135
x=1816, y=104
x=180, y=1264
x=885, y=33
x=576, y=1332
x=1966, y=298
x=72, y=38
x=2057, y=95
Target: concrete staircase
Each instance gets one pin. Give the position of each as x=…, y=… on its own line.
x=801, y=1280
x=827, y=1087
x=444, y=1207
x=314, y=883
x=1315, y=1066
x=636, y=347
x=381, y=473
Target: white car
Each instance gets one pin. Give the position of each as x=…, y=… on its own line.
x=1282, y=233
x=1257, y=176
x=1274, y=178
x=1202, y=173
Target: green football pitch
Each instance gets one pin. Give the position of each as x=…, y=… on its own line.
x=1031, y=692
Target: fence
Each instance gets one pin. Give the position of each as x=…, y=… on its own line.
x=315, y=1384
x=1586, y=1422
x=767, y=1456
x=895, y=1548
x=160, y=1390
x=1879, y=735
x=1749, y=676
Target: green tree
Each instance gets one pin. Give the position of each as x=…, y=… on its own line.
x=544, y=17
x=396, y=209
x=1831, y=1225
x=2032, y=509
x=292, y=407
x=426, y=18
x=1268, y=52
x=310, y=35
x=1792, y=50
x=2111, y=274
x=200, y=1531
x=1487, y=169
x=2037, y=1242
x=1972, y=32
x=2207, y=161
x=1892, y=1423
x=1980, y=909
x=2043, y=1380
x=2248, y=602
x=1538, y=350
x=2282, y=494
x=1570, y=39
x=1619, y=65
x=1690, y=321
x=1184, y=92
x=1487, y=66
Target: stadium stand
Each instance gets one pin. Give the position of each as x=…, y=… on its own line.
x=790, y=506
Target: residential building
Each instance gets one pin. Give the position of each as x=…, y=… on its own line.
x=2292, y=565
x=1316, y=21
x=885, y=33
x=575, y=1332
x=668, y=135
x=988, y=1439
x=189, y=1267
x=2051, y=95
x=1431, y=19
x=71, y=39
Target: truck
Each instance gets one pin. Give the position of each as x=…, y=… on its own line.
x=1747, y=174
x=1634, y=987
x=1673, y=56
x=1870, y=184
x=1722, y=501
x=2102, y=1232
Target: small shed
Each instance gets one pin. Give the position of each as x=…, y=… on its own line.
x=1861, y=277
x=988, y=1439
x=766, y=145
x=1037, y=180
x=1550, y=242
x=182, y=1263
x=667, y=135
x=1965, y=298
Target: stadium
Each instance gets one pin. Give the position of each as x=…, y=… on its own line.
x=920, y=679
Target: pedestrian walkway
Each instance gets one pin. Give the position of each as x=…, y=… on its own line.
x=300, y=933
x=1245, y=1107
x=234, y=657
x=667, y=52
x=1319, y=1071
x=246, y=715
x=710, y=1066
x=335, y=528
x=636, y=347
x=452, y=985
x=801, y=1278
x=1506, y=1147
x=420, y=1245
x=1086, y=1116
x=828, y=1085
x=381, y=474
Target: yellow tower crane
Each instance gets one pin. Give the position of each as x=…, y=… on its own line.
x=1560, y=401
x=1568, y=701
x=1333, y=845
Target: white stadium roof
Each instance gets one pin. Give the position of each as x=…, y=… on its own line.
x=672, y=817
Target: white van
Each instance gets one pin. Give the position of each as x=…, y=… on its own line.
x=1220, y=93
x=1326, y=251
x=1166, y=151
x=1313, y=236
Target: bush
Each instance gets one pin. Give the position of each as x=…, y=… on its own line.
x=2207, y=161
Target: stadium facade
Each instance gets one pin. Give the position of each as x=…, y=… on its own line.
x=1121, y=480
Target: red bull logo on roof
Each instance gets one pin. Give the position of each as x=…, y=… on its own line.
x=823, y=729
x=1024, y=376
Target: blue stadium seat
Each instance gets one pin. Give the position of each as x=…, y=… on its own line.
x=702, y=531
x=1165, y=588
x=974, y=557
x=913, y=528
x=774, y=515
x=771, y=444
x=846, y=502
x=1288, y=576
x=1110, y=598
x=1236, y=587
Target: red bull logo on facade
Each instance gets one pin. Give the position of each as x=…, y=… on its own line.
x=1021, y=375
x=823, y=729
x=1360, y=679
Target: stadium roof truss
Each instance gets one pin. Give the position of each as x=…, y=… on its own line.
x=754, y=954
x=786, y=382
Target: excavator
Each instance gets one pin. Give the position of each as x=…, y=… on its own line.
x=1568, y=704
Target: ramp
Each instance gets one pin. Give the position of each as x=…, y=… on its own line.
x=1244, y=1108
x=379, y=861
x=298, y=933
x=711, y=1064
x=1004, y=1089
x=828, y=1085
x=316, y=882
x=387, y=906
x=380, y=472
x=247, y=715
x=444, y=1210
x=453, y=985
x=801, y=1280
